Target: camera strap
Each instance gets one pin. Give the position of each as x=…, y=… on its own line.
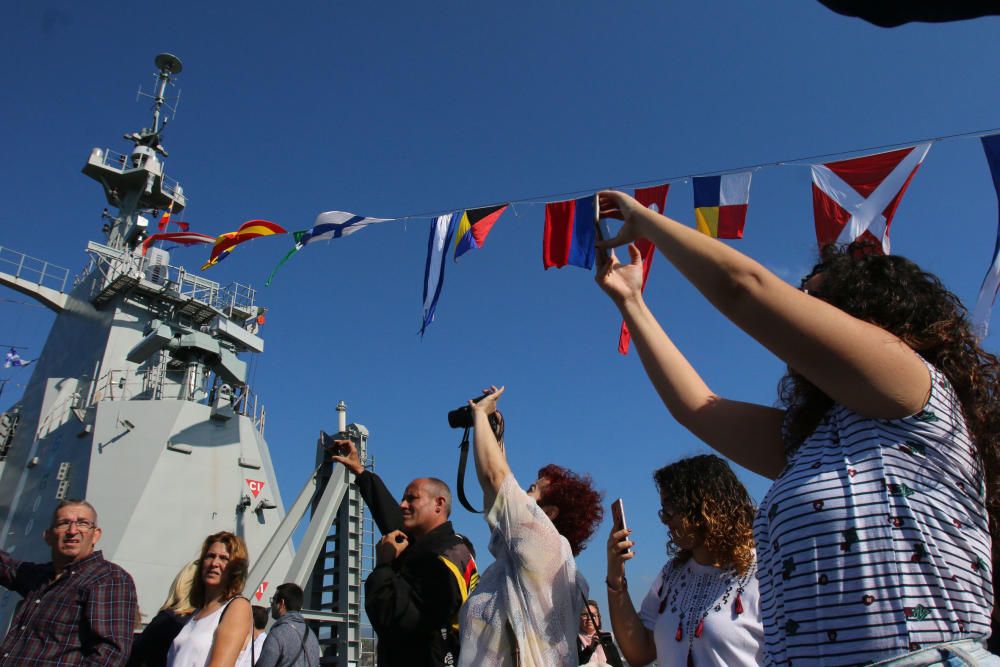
x=463, y=459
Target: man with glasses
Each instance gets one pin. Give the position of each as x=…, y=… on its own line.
x=290, y=643
x=78, y=609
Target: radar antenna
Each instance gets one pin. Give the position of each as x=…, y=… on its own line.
x=169, y=66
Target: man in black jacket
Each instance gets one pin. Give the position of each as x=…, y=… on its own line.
x=424, y=570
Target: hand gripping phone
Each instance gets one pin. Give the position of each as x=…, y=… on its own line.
x=618, y=517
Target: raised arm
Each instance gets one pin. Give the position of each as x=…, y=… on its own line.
x=491, y=461
x=855, y=363
x=384, y=508
x=746, y=433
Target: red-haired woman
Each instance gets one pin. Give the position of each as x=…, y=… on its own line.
x=526, y=608
x=703, y=609
x=873, y=543
x=219, y=629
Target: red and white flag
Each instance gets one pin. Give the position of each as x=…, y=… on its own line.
x=859, y=196
x=654, y=198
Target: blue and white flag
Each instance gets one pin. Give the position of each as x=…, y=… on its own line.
x=335, y=224
x=329, y=225
x=991, y=283
x=14, y=359
x=442, y=231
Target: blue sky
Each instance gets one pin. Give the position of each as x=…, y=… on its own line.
x=397, y=109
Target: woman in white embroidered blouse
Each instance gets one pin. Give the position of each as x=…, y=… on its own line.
x=703, y=608
x=525, y=609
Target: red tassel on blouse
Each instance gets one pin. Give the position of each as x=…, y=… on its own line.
x=698, y=630
x=680, y=633
x=738, y=605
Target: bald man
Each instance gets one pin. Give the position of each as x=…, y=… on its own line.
x=424, y=570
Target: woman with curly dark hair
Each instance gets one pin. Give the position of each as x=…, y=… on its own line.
x=526, y=607
x=874, y=541
x=703, y=608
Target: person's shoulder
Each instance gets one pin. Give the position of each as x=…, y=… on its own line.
x=238, y=602
x=105, y=570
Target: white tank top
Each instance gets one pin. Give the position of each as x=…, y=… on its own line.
x=193, y=644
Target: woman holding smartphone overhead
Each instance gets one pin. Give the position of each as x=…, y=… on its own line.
x=873, y=543
x=703, y=608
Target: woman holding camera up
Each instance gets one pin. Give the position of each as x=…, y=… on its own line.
x=703, y=609
x=526, y=608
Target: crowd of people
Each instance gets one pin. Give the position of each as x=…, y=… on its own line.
x=873, y=546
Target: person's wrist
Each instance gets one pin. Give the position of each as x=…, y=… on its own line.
x=617, y=584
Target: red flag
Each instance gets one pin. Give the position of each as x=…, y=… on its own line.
x=654, y=198
x=183, y=238
x=858, y=197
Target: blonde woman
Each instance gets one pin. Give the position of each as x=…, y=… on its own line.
x=150, y=648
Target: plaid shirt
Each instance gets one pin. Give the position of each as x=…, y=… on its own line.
x=86, y=617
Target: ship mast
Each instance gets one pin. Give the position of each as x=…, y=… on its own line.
x=137, y=183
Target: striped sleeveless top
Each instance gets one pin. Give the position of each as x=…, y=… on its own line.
x=874, y=541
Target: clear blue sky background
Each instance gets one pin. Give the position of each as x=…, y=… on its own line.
x=395, y=109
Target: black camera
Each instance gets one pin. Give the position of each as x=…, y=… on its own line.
x=331, y=445
x=462, y=417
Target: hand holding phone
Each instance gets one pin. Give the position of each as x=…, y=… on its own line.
x=618, y=518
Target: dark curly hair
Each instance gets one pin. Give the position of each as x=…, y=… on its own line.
x=895, y=294
x=579, y=503
x=236, y=570
x=712, y=504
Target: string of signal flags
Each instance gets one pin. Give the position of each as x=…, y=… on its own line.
x=852, y=198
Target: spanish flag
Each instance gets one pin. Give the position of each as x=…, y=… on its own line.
x=248, y=230
x=720, y=204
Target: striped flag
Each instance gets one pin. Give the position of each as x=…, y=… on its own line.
x=720, y=204
x=328, y=225
x=442, y=231
x=852, y=198
x=570, y=229
x=250, y=229
x=474, y=226
x=991, y=283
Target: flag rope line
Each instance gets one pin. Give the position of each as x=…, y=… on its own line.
x=559, y=196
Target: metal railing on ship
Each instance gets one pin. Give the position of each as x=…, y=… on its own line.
x=113, y=264
x=151, y=384
x=33, y=270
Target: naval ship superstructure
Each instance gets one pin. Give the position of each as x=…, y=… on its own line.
x=139, y=403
